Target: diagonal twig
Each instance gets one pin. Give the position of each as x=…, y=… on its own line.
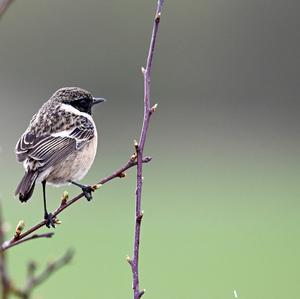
x=33, y=237
x=4, y=4
x=65, y=204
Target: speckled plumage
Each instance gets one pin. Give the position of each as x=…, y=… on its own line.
x=60, y=142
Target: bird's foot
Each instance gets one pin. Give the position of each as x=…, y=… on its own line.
x=50, y=220
x=87, y=191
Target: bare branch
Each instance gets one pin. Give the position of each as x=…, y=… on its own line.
x=34, y=281
x=3, y=269
x=67, y=203
x=33, y=237
x=4, y=4
x=51, y=268
x=148, y=111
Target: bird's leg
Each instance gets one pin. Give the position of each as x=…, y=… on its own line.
x=87, y=190
x=47, y=216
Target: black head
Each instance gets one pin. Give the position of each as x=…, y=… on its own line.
x=78, y=98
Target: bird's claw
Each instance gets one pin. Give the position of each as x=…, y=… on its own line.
x=87, y=191
x=50, y=220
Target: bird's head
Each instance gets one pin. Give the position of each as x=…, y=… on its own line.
x=76, y=97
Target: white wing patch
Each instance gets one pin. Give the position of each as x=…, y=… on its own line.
x=45, y=151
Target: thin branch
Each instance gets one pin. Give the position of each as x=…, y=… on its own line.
x=4, y=4
x=139, y=151
x=33, y=237
x=65, y=204
x=3, y=267
x=34, y=281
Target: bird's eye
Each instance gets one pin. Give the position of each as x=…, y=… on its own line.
x=84, y=103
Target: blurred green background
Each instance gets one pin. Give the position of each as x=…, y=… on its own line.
x=221, y=197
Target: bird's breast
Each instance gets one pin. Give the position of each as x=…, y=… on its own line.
x=75, y=166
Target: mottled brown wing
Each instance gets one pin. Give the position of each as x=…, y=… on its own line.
x=51, y=149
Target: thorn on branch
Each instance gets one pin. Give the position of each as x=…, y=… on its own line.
x=20, y=227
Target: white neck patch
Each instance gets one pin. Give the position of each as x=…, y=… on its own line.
x=71, y=109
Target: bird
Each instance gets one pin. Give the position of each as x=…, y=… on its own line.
x=59, y=146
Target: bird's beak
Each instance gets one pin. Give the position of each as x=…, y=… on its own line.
x=98, y=101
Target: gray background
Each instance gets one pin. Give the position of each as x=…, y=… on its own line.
x=222, y=194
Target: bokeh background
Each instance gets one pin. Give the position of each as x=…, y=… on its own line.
x=221, y=197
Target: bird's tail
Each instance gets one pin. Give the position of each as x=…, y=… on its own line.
x=26, y=186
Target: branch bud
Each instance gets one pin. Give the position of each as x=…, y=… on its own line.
x=64, y=198
x=122, y=175
x=141, y=293
x=157, y=17
x=96, y=187
x=133, y=157
x=154, y=107
x=57, y=221
x=19, y=228
x=139, y=217
x=136, y=145
x=143, y=70
x=129, y=260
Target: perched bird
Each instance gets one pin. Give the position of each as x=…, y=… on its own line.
x=60, y=144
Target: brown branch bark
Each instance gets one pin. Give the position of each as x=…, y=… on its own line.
x=139, y=151
x=66, y=204
x=33, y=237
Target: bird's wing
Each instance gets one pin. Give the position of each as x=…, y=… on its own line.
x=48, y=150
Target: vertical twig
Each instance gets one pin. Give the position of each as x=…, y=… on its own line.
x=139, y=152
